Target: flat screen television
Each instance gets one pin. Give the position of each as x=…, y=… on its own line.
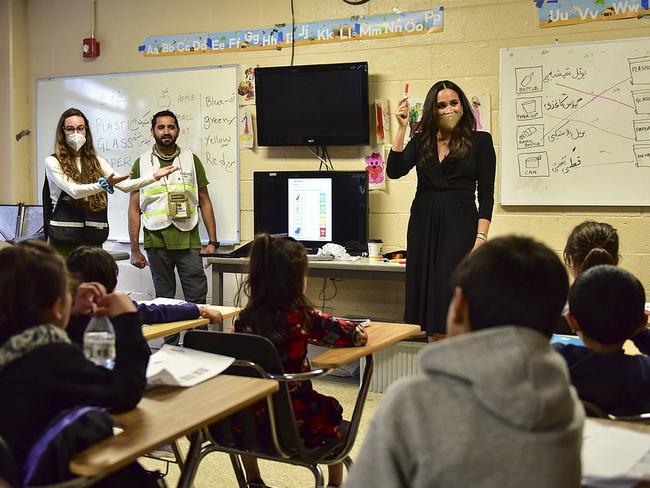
x=314, y=207
x=314, y=105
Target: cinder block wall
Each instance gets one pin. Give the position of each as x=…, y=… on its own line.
x=466, y=52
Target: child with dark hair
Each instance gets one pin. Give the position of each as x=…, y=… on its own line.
x=590, y=244
x=493, y=406
x=278, y=309
x=89, y=263
x=41, y=373
x=606, y=308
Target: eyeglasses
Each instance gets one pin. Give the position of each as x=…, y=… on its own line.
x=68, y=129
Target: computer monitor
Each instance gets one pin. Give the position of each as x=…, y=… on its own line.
x=9, y=222
x=313, y=207
x=32, y=221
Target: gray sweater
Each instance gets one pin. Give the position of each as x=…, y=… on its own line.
x=493, y=409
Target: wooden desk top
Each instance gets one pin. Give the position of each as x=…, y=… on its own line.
x=155, y=331
x=380, y=336
x=167, y=413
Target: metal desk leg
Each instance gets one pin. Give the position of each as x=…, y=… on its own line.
x=192, y=461
x=217, y=285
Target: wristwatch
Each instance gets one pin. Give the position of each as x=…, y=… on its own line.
x=213, y=243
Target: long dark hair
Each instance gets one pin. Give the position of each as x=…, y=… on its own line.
x=590, y=244
x=460, y=143
x=33, y=277
x=275, y=285
x=90, y=167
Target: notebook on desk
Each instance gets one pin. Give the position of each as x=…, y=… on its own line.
x=567, y=339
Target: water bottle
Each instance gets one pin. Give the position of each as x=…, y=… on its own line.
x=99, y=342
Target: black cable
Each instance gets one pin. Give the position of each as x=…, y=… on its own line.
x=322, y=295
x=326, y=158
x=293, y=32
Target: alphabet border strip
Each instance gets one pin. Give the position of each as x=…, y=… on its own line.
x=340, y=30
x=554, y=13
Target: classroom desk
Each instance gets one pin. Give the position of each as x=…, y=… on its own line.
x=363, y=269
x=380, y=336
x=166, y=413
x=119, y=255
x=155, y=331
x=634, y=426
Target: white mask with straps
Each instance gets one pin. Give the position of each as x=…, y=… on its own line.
x=75, y=140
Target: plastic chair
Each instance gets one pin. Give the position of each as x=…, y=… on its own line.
x=593, y=410
x=256, y=356
x=9, y=472
x=7, y=464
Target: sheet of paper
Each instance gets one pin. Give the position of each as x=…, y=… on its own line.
x=614, y=456
x=180, y=366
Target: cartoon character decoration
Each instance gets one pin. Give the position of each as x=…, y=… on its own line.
x=415, y=115
x=246, y=88
x=375, y=168
x=476, y=108
x=480, y=103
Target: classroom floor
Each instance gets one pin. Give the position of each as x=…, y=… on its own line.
x=216, y=470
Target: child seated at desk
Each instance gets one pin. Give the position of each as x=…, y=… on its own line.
x=493, y=406
x=589, y=244
x=278, y=309
x=90, y=263
x=41, y=373
x=606, y=308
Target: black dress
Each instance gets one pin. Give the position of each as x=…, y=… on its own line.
x=443, y=223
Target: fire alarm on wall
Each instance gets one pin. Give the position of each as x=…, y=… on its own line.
x=90, y=47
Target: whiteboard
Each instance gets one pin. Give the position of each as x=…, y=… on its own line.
x=575, y=124
x=119, y=108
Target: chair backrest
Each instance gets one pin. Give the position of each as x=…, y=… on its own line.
x=8, y=470
x=70, y=433
x=262, y=352
x=593, y=410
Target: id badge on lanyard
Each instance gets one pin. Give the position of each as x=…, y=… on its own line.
x=177, y=202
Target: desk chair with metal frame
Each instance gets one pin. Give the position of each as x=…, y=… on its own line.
x=9, y=472
x=593, y=410
x=256, y=356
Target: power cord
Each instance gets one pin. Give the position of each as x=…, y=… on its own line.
x=322, y=295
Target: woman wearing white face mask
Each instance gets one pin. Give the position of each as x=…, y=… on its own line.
x=453, y=161
x=75, y=194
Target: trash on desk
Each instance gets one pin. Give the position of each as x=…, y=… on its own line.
x=180, y=366
x=338, y=251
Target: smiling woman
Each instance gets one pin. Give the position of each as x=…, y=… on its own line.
x=77, y=184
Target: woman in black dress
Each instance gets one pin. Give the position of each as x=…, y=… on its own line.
x=453, y=161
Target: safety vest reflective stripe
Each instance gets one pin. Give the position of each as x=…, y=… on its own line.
x=162, y=189
x=58, y=223
x=164, y=212
x=97, y=225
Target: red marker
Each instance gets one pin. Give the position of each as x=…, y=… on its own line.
x=406, y=91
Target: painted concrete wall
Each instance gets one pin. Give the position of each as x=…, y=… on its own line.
x=466, y=52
